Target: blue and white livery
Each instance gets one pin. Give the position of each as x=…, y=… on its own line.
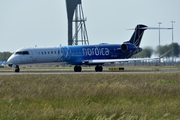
x=81, y=54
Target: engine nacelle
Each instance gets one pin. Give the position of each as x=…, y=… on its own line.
x=128, y=47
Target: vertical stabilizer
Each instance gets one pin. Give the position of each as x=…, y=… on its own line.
x=137, y=35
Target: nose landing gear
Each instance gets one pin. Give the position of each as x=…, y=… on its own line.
x=17, y=69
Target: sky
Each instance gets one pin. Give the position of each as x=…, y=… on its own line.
x=27, y=23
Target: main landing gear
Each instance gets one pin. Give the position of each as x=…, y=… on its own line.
x=98, y=68
x=78, y=68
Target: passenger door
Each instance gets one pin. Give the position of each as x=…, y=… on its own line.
x=34, y=55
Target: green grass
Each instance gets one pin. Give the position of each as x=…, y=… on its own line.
x=90, y=96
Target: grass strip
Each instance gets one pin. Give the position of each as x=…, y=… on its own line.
x=90, y=96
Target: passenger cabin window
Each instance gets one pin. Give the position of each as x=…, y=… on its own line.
x=22, y=53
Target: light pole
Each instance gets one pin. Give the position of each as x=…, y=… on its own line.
x=159, y=33
x=172, y=40
x=159, y=39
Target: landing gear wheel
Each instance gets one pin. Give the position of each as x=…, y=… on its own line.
x=77, y=68
x=98, y=68
x=17, y=69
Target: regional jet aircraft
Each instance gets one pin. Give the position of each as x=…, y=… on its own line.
x=82, y=54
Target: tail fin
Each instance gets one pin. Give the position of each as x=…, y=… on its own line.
x=138, y=34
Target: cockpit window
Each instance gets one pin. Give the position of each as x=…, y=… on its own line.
x=25, y=53
x=18, y=52
x=22, y=53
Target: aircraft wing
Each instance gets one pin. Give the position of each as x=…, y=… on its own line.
x=101, y=61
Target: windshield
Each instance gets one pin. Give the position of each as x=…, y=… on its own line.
x=22, y=53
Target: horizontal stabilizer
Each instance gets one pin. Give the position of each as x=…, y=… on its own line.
x=150, y=28
x=154, y=28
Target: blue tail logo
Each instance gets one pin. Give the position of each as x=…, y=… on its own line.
x=137, y=35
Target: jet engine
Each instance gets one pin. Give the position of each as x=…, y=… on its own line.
x=128, y=47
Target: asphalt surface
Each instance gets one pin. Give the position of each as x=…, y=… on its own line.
x=87, y=72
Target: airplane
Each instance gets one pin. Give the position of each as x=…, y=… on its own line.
x=80, y=55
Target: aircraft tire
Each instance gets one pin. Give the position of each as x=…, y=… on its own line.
x=77, y=68
x=98, y=68
x=17, y=69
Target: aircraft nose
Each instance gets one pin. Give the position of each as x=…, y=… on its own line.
x=10, y=60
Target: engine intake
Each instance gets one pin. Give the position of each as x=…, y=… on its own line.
x=128, y=47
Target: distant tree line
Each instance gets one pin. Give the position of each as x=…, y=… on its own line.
x=175, y=50
x=147, y=52
x=4, y=56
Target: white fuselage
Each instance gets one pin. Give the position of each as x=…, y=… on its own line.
x=35, y=55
